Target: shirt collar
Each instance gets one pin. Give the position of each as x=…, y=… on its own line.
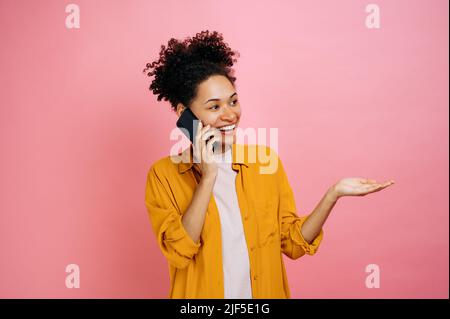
x=238, y=157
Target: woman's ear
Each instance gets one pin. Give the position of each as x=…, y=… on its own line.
x=180, y=109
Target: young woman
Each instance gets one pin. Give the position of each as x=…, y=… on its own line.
x=221, y=223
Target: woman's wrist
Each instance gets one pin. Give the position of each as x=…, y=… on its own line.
x=208, y=179
x=333, y=194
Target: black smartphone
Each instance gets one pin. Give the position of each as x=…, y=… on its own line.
x=188, y=124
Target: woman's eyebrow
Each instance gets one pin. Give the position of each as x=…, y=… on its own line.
x=219, y=99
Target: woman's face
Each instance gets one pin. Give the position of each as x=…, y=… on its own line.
x=217, y=104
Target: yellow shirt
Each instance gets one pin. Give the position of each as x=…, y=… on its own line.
x=269, y=218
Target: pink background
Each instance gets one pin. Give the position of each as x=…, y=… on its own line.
x=80, y=129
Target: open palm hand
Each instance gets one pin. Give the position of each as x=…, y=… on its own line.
x=356, y=186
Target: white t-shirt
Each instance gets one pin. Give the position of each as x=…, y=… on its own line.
x=236, y=266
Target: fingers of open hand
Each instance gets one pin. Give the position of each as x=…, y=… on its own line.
x=374, y=183
x=368, y=181
x=382, y=185
x=374, y=187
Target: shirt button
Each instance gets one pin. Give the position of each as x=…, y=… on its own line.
x=246, y=217
x=255, y=277
x=252, y=248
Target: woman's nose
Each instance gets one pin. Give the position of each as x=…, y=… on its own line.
x=229, y=115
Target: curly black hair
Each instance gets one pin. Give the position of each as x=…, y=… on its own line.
x=183, y=65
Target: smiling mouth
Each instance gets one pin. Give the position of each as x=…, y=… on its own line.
x=227, y=128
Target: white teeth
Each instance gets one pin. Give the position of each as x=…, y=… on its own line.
x=227, y=128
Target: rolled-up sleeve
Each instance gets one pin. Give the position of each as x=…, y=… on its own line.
x=175, y=243
x=293, y=244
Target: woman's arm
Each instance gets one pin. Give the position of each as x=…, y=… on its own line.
x=194, y=217
x=352, y=186
x=314, y=222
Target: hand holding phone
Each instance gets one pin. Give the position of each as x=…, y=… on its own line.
x=188, y=123
x=202, y=138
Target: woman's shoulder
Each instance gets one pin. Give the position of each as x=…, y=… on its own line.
x=161, y=166
x=168, y=164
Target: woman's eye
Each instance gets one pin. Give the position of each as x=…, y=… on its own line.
x=215, y=107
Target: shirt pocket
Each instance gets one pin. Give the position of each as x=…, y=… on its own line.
x=267, y=221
